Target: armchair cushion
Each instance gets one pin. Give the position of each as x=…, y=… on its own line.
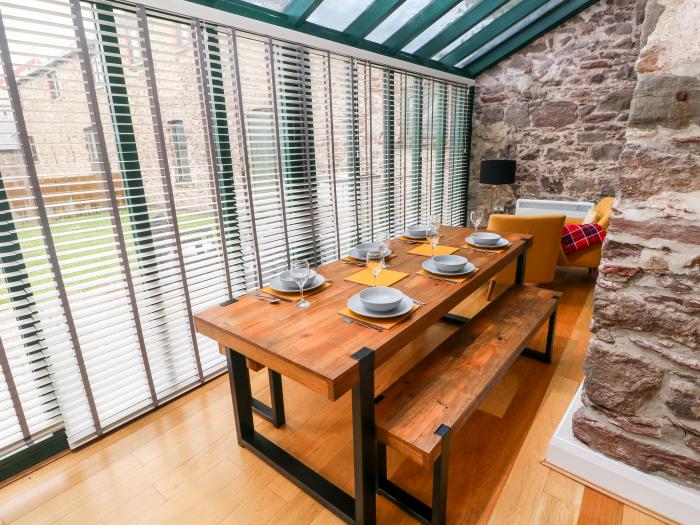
x=576, y=237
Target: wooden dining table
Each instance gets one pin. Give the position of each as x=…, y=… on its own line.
x=316, y=348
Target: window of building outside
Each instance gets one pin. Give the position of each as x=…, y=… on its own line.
x=177, y=137
x=91, y=141
x=53, y=85
x=32, y=147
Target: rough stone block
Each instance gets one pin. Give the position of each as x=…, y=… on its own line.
x=682, y=396
x=556, y=114
x=666, y=100
x=617, y=381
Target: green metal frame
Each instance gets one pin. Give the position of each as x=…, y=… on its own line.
x=125, y=136
x=439, y=132
x=223, y=146
x=457, y=28
x=33, y=454
x=370, y=18
x=417, y=151
x=299, y=10
x=527, y=35
x=419, y=23
x=491, y=31
x=389, y=104
x=290, y=19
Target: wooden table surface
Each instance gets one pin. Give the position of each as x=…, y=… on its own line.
x=313, y=346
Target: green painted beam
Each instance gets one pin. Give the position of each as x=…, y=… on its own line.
x=242, y=8
x=457, y=28
x=491, y=31
x=370, y=18
x=299, y=10
x=522, y=38
x=419, y=23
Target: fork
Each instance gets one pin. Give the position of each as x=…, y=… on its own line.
x=484, y=251
x=439, y=279
x=268, y=295
x=270, y=300
x=417, y=302
x=349, y=320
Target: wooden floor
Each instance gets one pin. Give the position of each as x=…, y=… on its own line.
x=181, y=464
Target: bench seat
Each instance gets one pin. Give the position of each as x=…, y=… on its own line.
x=449, y=384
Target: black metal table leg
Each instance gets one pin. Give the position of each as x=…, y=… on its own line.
x=274, y=412
x=520, y=268
x=362, y=508
x=364, y=441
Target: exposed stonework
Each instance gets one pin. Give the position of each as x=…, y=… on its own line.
x=587, y=113
x=559, y=107
x=642, y=388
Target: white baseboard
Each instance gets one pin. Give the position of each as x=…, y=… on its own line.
x=659, y=495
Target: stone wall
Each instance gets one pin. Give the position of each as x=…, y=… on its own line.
x=560, y=107
x=642, y=388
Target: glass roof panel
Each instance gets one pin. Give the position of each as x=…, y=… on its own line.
x=275, y=5
x=430, y=33
x=396, y=20
x=478, y=27
x=338, y=14
x=512, y=30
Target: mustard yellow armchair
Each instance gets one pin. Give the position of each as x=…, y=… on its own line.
x=541, y=260
x=588, y=257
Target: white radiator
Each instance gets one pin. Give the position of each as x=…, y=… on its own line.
x=540, y=207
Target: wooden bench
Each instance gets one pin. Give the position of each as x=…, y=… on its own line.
x=418, y=414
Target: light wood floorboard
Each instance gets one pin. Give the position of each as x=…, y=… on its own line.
x=181, y=463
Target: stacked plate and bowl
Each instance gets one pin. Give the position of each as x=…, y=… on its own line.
x=380, y=302
x=448, y=265
x=285, y=283
x=487, y=240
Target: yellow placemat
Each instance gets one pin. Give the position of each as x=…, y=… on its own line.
x=459, y=279
x=496, y=249
x=425, y=249
x=296, y=296
x=385, y=278
x=379, y=323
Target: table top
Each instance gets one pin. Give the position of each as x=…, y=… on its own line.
x=314, y=346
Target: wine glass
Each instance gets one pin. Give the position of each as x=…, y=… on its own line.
x=476, y=217
x=375, y=263
x=300, y=273
x=434, y=221
x=434, y=238
x=384, y=240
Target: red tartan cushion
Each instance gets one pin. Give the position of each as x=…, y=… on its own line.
x=576, y=237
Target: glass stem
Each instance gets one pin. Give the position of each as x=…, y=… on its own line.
x=301, y=289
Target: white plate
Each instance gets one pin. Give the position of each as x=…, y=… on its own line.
x=277, y=285
x=356, y=255
x=500, y=244
x=356, y=306
x=405, y=234
x=429, y=266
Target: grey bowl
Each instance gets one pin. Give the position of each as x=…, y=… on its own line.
x=381, y=298
x=449, y=263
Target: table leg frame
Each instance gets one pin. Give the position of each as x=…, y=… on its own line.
x=274, y=412
x=362, y=508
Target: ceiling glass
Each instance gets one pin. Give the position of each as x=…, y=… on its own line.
x=512, y=30
x=478, y=27
x=275, y=5
x=396, y=20
x=338, y=14
x=430, y=33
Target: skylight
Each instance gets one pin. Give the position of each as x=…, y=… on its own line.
x=396, y=20
x=338, y=14
x=438, y=26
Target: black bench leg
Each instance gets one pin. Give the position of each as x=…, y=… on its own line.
x=440, y=467
x=275, y=412
x=408, y=502
x=545, y=356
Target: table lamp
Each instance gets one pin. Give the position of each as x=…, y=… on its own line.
x=496, y=173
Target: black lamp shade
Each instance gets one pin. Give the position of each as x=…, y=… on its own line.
x=497, y=172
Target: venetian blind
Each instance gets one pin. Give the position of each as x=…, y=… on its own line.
x=154, y=165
